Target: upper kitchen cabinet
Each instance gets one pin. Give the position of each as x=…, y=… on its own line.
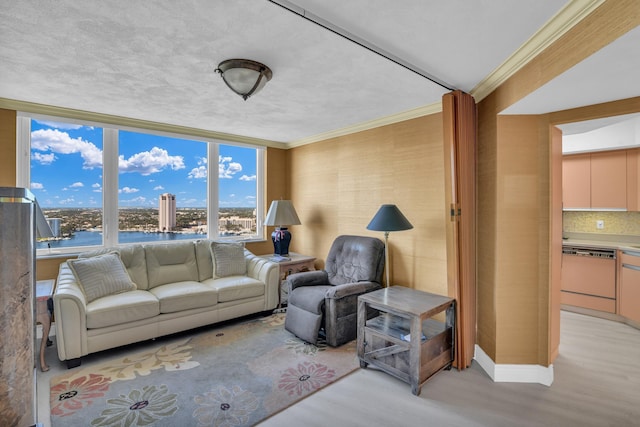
x=595, y=181
x=576, y=181
x=633, y=179
x=609, y=180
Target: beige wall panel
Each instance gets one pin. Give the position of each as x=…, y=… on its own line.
x=487, y=215
x=340, y=184
x=7, y=148
x=518, y=201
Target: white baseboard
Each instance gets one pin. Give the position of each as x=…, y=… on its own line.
x=52, y=331
x=513, y=373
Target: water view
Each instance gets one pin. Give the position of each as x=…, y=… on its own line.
x=93, y=238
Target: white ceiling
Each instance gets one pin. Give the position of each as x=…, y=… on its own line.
x=155, y=61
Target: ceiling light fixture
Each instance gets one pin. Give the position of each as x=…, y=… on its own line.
x=243, y=76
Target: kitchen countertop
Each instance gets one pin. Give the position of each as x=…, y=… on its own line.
x=609, y=241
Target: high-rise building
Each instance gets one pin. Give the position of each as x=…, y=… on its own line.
x=166, y=212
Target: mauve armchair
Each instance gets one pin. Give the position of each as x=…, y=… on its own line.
x=327, y=300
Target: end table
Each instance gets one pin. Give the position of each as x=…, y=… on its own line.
x=292, y=263
x=44, y=291
x=403, y=340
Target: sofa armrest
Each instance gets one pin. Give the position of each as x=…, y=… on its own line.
x=308, y=278
x=347, y=289
x=70, y=310
x=267, y=272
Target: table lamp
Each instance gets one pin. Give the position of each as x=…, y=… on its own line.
x=281, y=214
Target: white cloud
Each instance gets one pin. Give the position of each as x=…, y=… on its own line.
x=227, y=168
x=140, y=200
x=60, y=142
x=148, y=162
x=67, y=201
x=158, y=187
x=43, y=159
x=248, y=178
x=128, y=190
x=36, y=186
x=202, y=161
x=60, y=125
x=198, y=173
x=77, y=185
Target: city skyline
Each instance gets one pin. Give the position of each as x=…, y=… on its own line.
x=66, y=169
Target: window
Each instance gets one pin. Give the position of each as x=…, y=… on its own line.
x=103, y=186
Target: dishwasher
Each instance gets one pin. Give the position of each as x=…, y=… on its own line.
x=589, y=278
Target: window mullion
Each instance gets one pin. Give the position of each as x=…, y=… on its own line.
x=110, y=187
x=213, y=153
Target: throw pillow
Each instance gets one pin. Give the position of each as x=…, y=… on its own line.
x=228, y=259
x=101, y=275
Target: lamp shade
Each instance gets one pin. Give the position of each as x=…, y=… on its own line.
x=281, y=213
x=243, y=76
x=389, y=218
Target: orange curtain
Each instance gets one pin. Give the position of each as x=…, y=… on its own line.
x=460, y=136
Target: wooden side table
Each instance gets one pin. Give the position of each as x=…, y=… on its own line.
x=295, y=263
x=403, y=340
x=44, y=291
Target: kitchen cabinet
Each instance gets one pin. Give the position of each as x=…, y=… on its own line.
x=609, y=180
x=595, y=181
x=576, y=181
x=633, y=179
x=629, y=285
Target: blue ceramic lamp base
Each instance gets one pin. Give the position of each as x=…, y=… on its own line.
x=281, y=238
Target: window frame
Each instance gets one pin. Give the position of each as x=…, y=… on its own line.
x=110, y=208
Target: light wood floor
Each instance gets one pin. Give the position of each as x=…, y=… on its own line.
x=597, y=383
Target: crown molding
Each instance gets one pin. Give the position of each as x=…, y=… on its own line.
x=62, y=112
x=555, y=28
x=371, y=124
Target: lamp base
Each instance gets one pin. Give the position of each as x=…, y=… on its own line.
x=281, y=238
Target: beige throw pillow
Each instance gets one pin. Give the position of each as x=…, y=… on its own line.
x=101, y=275
x=228, y=259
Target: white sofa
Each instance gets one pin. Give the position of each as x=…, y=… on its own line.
x=177, y=287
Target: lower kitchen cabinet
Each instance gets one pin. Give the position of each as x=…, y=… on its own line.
x=629, y=285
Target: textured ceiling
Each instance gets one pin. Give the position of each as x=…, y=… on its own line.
x=155, y=61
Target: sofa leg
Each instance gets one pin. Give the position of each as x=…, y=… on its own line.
x=73, y=363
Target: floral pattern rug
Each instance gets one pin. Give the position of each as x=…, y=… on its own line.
x=234, y=375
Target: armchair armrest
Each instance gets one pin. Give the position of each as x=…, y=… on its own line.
x=307, y=278
x=349, y=289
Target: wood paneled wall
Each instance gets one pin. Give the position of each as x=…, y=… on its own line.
x=338, y=185
x=7, y=148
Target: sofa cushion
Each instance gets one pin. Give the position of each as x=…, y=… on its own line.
x=184, y=296
x=101, y=275
x=170, y=263
x=228, y=259
x=122, y=308
x=132, y=257
x=203, y=257
x=235, y=288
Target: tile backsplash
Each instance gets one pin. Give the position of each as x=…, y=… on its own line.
x=625, y=223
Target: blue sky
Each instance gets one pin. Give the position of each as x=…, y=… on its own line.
x=66, y=169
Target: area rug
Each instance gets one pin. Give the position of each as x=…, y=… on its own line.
x=235, y=375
